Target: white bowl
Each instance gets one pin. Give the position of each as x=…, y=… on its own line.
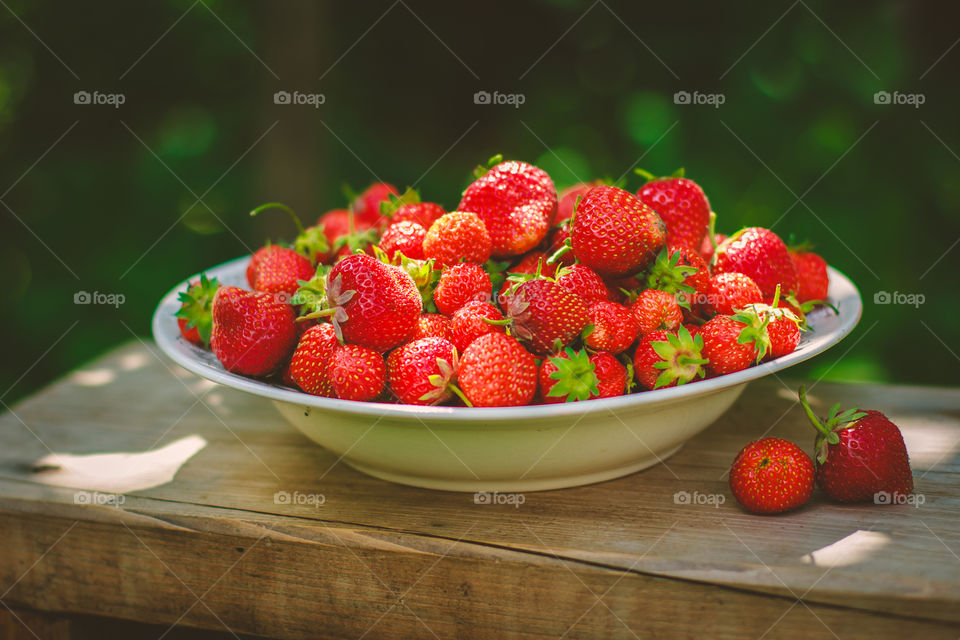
x=514, y=449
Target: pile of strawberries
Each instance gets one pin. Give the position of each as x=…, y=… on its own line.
x=519, y=296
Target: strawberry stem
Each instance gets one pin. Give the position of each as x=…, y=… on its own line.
x=280, y=205
x=813, y=418
x=460, y=394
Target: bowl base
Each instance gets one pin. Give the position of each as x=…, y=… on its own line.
x=474, y=485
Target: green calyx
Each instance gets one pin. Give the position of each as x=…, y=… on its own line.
x=442, y=382
x=481, y=170
x=311, y=296
x=827, y=431
x=496, y=270
x=575, y=376
x=196, y=304
x=667, y=274
x=647, y=176
x=682, y=360
x=390, y=206
x=755, y=331
x=356, y=241
x=311, y=242
x=424, y=275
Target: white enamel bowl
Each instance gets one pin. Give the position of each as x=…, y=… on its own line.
x=506, y=449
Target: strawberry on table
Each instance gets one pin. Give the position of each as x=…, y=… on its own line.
x=194, y=317
x=420, y=372
x=496, y=371
x=517, y=202
x=681, y=204
x=669, y=358
x=356, y=373
x=470, y=321
x=459, y=236
x=252, y=333
x=615, y=234
x=460, y=284
x=760, y=254
x=771, y=476
x=311, y=360
x=544, y=314
x=859, y=454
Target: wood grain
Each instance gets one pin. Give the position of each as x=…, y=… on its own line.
x=469, y=570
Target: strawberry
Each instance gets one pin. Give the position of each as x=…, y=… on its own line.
x=706, y=247
x=496, y=371
x=420, y=372
x=572, y=376
x=310, y=243
x=194, y=316
x=814, y=283
x=583, y=281
x=432, y=325
x=311, y=360
x=860, y=454
x=570, y=196
x=680, y=270
x=723, y=348
x=406, y=237
x=252, y=332
x=460, y=284
x=669, y=358
x=345, y=233
x=544, y=314
x=276, y=269
x=423, y=213
x=366, y=206
x=777, y=329
x=682, y=206
x=559, y=238
x=370, y=303
x=612, y=328
x=729, y=292
x=771, y=476
x=760, y=254
x=615, y=234
x=517, y=202
x=356, y=373
x=469, y=322
x=458, y=236
x=655, y=309
x=532, y=261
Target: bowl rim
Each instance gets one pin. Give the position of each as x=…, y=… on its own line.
x=168, y=338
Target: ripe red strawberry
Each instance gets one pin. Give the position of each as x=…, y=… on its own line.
x=572, y=376
x=460, y=284
x=812, y=274
x=356, y=373
x=569, y=197
x=722, y=346
x=276, y=269
x=194, y=316
x=310, y=362
x=458, y=236
x=366, y=207
x=706, y=247
x=405, y=237
x=682, y=206
x=370, y=303
x=496, y=371
x=517, y=201
x=545, y=315
x=681, y=271
x=423, y=213
x=614, y=327
x=420, y=372
x=783, y=328
x=432, y=325
x=760, y=254
x=344, y=236
x=530, y=262
x=669, y=358
x=558, y=239
x=771, y=476
x=729, y=292
x=615, y=234
x=469, y=322
x=860, y=454
x=252, y=333
x=655, y=309
x=583, y=281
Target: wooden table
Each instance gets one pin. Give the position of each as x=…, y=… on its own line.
x=634, y=557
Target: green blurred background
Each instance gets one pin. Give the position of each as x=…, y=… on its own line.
x=97, y=198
